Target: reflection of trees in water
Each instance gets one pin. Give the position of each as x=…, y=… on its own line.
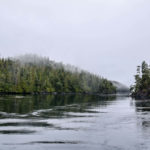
x=28, y=104
x=143, y=114
x=142, y=105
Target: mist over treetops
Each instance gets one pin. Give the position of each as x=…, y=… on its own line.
x=35, y=74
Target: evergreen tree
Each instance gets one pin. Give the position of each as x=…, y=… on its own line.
x=141, y=89
x=39, y=75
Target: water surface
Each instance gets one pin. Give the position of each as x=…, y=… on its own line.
x=71, y=122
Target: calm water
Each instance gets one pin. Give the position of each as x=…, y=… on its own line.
x=74, y=122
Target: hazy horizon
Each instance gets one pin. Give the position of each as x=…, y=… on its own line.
x=105, y=37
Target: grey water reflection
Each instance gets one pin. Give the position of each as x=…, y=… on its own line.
x=70, y=122
x=50, y=106
x=143, y=116
x=36, y=111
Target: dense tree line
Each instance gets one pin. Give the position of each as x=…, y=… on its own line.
x=38, y=74
x=141, y=89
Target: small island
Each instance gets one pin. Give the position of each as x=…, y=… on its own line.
x=141, y=89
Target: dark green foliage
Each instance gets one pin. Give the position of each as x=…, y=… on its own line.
x=47, y=76
x=141, y=89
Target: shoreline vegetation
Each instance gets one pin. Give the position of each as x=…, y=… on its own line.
x=31, y=74
x=141, y=88
x=64, y=93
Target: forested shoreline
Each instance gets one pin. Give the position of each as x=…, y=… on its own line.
x=34, y=74
x=141, y=88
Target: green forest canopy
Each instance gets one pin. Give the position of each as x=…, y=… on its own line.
x=141, y=89
x=34, y=74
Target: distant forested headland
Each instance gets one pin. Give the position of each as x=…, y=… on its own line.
x=34, y=74
x=141, y=89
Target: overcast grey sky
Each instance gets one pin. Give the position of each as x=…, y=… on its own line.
x=106, y=37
